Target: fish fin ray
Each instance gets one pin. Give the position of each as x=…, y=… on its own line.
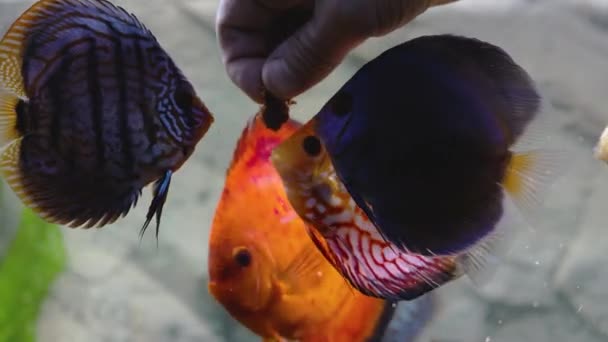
x=33, y=21
x=481, y=261
x=118, y=11
x=529, y=175
x=321, y=245
x=161, y=190
x=477, y=262
x=539, y=130
x=8, y=117
x=306, y=263
x=9, y=166
x=421, y=281
x=102, y=6
x=10, y=66
x=43, y=183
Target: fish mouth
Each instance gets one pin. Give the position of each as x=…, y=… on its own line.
x=221, y=295
x=219, y=292
x=213, y=287
x=233, y=300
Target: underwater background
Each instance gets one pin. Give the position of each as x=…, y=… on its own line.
x=107, y=285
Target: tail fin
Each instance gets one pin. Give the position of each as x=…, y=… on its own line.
x=529, y=175
x=8, y=117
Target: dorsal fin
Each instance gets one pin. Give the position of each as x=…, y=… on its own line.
x=32, y=19
x=47, y=8
x=36, y=22
x=304, y=266
x=257, y=140
x=490, y=69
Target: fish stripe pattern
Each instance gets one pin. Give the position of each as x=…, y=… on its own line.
x=370, y=263
x=103, y=111
x=149, y=126
x=104, y=42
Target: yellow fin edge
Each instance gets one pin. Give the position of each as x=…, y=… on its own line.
x=9, y=169
x=529, y=175
x=8, y=117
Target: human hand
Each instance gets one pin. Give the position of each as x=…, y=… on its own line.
x=287, y=46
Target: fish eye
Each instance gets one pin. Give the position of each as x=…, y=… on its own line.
x=184, y=96
x=342, y=103
x=311, y=145
x=242, y=257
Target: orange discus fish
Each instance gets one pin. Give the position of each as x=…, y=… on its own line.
x=269, y=275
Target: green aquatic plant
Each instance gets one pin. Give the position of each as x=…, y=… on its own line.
x=32, y=262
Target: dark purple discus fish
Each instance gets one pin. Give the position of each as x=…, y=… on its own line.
x=92, y=111
x=421, y=137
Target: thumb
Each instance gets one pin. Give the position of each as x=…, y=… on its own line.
x=308, y=56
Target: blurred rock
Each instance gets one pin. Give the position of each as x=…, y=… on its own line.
x=581, y=278
x=545, y=326
x=107, y=310
x=459, y=316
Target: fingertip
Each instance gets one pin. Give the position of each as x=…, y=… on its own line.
x=291, y=70
x=307, y=57
x=246, y=74
x=283, y=82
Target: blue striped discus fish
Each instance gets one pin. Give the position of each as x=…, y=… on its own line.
x=92, y=110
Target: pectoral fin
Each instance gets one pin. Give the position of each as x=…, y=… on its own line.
x=161, y=190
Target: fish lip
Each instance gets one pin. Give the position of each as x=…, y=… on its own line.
x=218, y=294
x=216, y=289
x=212, y=287
x=228, y=299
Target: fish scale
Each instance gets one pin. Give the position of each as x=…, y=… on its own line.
x=110, y=68
x=105, y=112
x=346, y=228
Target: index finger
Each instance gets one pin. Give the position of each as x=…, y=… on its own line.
x=243, y=29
